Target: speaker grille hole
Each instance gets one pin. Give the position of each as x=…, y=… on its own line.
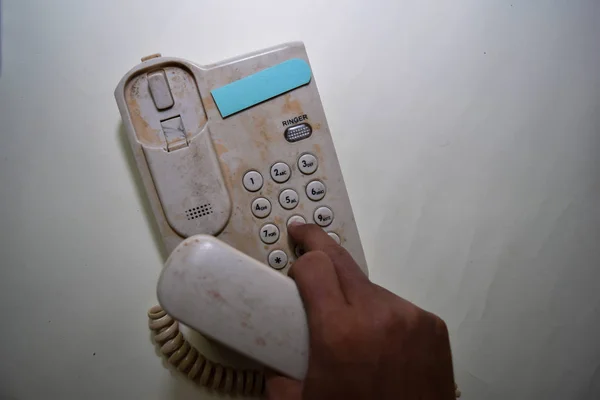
x=199, y=212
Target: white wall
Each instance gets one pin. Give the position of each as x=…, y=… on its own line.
x=469, y=136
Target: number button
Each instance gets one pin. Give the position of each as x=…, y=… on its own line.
x=296, y=218
x=315, y=190
x=323, y=216
x=335, y=237
x=307, y=164
x=288, y=199
x=269, y=233
x=299, y=251
x=278, y=259
x=253, y=181
x=280, y=172
x=261, y=207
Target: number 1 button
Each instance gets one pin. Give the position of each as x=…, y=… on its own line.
x=253, y=181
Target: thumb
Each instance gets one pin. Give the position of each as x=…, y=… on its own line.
x=282, y=388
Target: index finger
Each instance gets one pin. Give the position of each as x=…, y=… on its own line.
x=313, y=238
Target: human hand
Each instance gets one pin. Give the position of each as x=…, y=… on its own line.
x=365, y=342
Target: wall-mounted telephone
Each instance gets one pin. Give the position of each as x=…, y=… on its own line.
x=233, y=152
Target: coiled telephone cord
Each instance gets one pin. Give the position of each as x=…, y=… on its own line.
x=186, y=359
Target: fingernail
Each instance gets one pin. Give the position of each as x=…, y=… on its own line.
x=295, y=223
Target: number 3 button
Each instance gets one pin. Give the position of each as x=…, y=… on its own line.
x=288, y=199
x=280, y=172
x=307, y=164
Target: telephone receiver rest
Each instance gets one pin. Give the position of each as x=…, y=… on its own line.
x=238, y=302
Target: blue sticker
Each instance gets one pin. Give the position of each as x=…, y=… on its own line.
x=261, y=86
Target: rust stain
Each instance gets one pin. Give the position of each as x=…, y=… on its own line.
x=263, y=154
x=260, y=125
x=278, y=220
x=144, y=132
x=175, y=78
x=260, y=342
x=316, y=126
x=220, y=149
x=227, y=174
x=317, y=148
x=260, y=122
x=137, y=97
x=291, y=106
x=209, y=103
x=215, y=295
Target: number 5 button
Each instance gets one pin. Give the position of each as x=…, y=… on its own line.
x=288, y=199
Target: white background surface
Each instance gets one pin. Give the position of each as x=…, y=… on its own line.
x=468, y=133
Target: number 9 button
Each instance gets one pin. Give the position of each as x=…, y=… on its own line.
x=323, y=216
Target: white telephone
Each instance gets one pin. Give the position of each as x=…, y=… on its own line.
x=229, y=154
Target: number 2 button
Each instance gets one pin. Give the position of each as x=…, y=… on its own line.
x=280, y=172
x=288, y=199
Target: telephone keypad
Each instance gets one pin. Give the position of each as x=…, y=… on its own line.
x=280, y=172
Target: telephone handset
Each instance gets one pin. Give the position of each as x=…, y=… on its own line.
x=229, y=155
